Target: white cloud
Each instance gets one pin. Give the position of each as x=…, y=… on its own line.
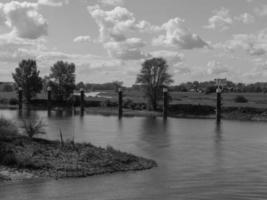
x=111, y=2
x=114, y=26
x=173, y=58
x=14, y=49
x=221, y=20
x=178, y=35
x=216, y=68
x=253, y=44
x=115, y=23
x=261, y=11
x=24, y=19
x=53, y=2
x=112, y=23
x=246, y=18
x=129, y=49
x=84, y=38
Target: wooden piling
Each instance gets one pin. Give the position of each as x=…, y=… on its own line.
x=49, y=103
x=20, y=98
x=82, y=102
x=120, y=102
x=218, y=105
x=165, y=103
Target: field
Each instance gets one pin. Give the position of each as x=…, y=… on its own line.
x=255, y=100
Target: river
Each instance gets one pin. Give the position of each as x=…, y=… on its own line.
x=196, y=158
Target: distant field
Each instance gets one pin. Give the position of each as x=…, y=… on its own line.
x=256, y=100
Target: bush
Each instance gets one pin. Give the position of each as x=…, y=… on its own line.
x=190, y=109
x=7, y=128
x=13, y=101
x=33, y=128
x=127, y=103
x=240, y=99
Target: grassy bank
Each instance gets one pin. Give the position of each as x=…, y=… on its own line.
x=25, y=157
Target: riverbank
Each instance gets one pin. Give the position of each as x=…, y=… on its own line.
x=22, y=158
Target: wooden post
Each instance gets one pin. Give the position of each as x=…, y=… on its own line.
x=120, y=102
x=165, y=103
x=49, y=99
x=218, y=105
x=82, y=102
x=20, y=98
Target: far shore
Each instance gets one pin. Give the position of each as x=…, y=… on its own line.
x=230, y=113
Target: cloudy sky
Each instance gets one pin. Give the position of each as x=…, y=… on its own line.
x=109, y=39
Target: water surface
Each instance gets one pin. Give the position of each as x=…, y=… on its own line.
x=196, y=158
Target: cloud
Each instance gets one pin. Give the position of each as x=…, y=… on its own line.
x=253, y=44
x=84, y=38
x=117, y=22
x=129, y=49
x=221, y=20
x=216, y=68
x=246, y=18
x=14, y=49
x=24, y=19
x=173, y=58
x=53, y=2
x=178, y=35
x=111, y=2
x=114, y=26
x=262, y=11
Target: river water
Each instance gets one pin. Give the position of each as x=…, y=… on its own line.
x=196, y=158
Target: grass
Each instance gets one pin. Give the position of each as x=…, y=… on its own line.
x=256, y=100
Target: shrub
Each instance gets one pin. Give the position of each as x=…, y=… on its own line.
x=7, y=128
x=127, y=103
x=240, y=99
x=33, y=128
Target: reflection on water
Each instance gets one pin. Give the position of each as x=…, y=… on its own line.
x=198, y=159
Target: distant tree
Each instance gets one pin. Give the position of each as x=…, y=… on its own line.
x=27, y=77
x=153, y=77
x=117, y=85
x=210, y=89
x=80, y=85
x=62, y=79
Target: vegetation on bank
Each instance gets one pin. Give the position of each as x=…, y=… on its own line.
x=59, y=159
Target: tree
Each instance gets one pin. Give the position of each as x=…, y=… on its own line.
x=80, y=85
x=62, y=79
x=153, y=77
x=27, y=77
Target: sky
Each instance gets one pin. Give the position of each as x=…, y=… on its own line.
x=108, y=40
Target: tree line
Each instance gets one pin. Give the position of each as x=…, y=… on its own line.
x=210, y=87
x=152, y=78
